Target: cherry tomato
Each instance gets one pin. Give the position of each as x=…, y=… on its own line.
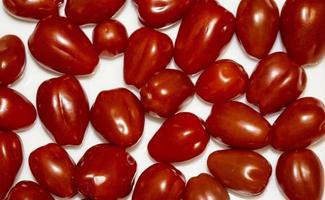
x=28, y=190
x=148, y=52
x=245, y=172
x=181, y=137
x=61, y=46
x=205, y=187
x=276, y=82
x=203, y=33
x=110, y=38
x=257, y=25
x=165, y=92
x=63, y=109
x=11, y=159
x=16, y=112
x=301, y=124
x=12, y=59
x=300, y=175
x=302, y=30
x=105, y=172
x=118, y=116
x=237, y=125
x=85, y=12
x=160, y=181
x=52, y=168
x=222, y=81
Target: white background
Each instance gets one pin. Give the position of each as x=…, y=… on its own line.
x=109, y=75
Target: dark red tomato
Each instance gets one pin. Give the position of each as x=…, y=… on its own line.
x=16, y=111
x=205, y=187
x=302, y=30
x=160, y=13
x=181, y=137
x=52, y=168
x=148, y=52
x=63, y=109
x=105, y=172
x=300, y=175
x=32, y=9
x=11, y=159
x=160, y=181
x=165, y=92
x=276, y=82
x=85, y=12
x=12, y=59
x=204, y=31
x=61, y=46
x=28, y=190
x=257, y=25
x=118, y=116
x=238, y=125
x=245, y=172
x=300, y=124
x=110, y=38
x=222, y=81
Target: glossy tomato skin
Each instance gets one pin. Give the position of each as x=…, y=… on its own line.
x=300, y=124
x=302, y=30
x=205, y=187
x=300, y=175
x=203, y=33
x=12, y=59
x=83, y=12
x=276, y=82
x=245, y=172
x=118, y=116
x=161, y=13
x=148, y=186
x=180, y=138
x=11, y=157
x=59, y=45
x=32, y=9
x=148, y=52
x=53, y=169
x=257, y=25
x=28, y=190
x=165, y=92
x=17, y=113
x=110, y=38
x=105, y=172
x=222, y=81
x=237, y=125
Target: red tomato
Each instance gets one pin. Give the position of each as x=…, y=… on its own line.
x=301, y=124
x=222, y=81
x=302, y=30
x=63, y=109
x=237, y=125
x=148, y=52
x=276, y=82
x=118, y=116
x=52, y=168
x=105, y=172
x=28, y=190
x=181, y=137
x=245, y=172
x=203, y=33
x=300, y=175
x=160, y=181
x=61, y=46
x=257, y=25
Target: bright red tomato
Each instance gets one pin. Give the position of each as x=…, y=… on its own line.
x=28, y=190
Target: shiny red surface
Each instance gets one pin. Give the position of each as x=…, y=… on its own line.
x=118, y=116
x=52, y=168
x=28, y=190
x=148, y=52
x=63, y=109
x=181, y=137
